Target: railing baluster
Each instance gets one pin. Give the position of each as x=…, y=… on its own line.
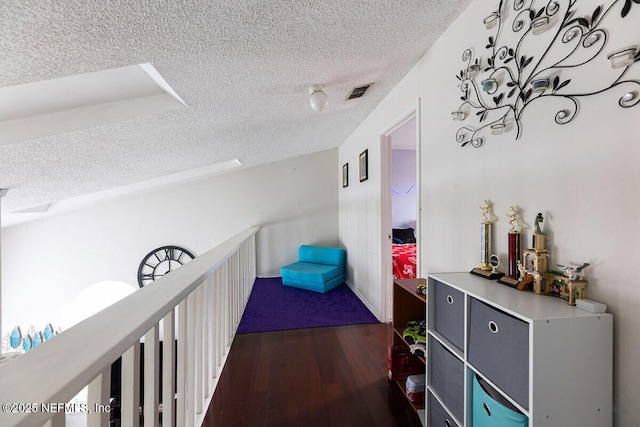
x=204, y=303
x=181, y=403
x=198, y=345
x=220, y=315
x=58, y=420
x=98, y=399
x=234, y=293
x=168, y=370
x=225, y=308
x=151, y=377
x=210, y=337
x=227, y=288
x=191, y=359
x=130, y=393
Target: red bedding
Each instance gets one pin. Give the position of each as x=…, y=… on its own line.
x=404, y=261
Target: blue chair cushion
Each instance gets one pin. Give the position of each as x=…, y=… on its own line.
x=318, y=269
x=318, y=273
x=321, y=255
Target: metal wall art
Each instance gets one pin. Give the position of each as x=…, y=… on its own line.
x=545, y=46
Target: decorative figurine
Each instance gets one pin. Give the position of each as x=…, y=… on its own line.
x=569, y=285
x=538, y=235
x=512, y=279
x=514, y=222
x=574, y=273
x=537, y=266
x=520, y=270
x=536, y=223
x=485, y=269
x=489, y=217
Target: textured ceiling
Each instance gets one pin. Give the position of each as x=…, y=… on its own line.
x=242, y=67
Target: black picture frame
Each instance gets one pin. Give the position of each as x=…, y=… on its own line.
x=345, y=175
x=364, y=165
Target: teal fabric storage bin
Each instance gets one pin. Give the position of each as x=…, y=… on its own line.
x=488, y=412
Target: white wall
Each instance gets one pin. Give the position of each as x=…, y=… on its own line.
x=360, y=224
x=404, y=201
x=583, y=176
x=47, y=262
x=579, y=175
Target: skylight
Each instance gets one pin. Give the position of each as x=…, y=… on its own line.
x=50, y=107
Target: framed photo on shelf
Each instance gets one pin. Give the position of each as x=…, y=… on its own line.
x=364, y=165
x=345, y=175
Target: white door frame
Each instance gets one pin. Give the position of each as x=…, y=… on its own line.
x=386, y=272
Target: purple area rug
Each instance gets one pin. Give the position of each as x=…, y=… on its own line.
x=274, y=307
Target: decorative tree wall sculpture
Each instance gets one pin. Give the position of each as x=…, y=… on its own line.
x=545, y=49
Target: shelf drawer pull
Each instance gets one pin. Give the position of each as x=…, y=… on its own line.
x=493, y=327
x=449, y=299
x=486, y=409
x=447, y=423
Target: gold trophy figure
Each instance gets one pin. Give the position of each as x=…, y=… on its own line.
x=488, y=218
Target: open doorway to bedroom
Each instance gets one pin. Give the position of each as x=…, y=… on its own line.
x=404, y=199
x=400, y=203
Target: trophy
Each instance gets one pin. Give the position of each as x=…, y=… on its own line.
x=512, y=278
x=486, y=270
x=536, y=267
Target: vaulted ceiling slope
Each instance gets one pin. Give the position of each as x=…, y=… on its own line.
x=242, y=68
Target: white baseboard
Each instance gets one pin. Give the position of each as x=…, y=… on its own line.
x=361, y=297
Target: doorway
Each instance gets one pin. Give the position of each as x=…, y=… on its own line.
x=400, y=203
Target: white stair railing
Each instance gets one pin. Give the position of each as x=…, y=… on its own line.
x=205, y=298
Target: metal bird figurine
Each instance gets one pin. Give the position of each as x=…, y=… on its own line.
x=573, y=272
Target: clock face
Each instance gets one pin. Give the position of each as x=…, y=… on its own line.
x=161, y=261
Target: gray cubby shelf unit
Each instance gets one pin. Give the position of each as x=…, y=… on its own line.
x=549, y=361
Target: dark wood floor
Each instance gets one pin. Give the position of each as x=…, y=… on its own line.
x=310, y=377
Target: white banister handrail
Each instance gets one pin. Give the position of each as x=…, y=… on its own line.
x=57, y=371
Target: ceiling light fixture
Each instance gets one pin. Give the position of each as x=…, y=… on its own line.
x=318, y=100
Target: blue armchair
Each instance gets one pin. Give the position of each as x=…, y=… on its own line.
x=318, y=269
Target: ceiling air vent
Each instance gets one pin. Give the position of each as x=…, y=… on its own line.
x=358, y=92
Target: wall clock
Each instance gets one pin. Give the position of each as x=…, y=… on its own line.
x=161, y=261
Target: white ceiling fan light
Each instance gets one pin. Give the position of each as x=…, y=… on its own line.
x=318, y=99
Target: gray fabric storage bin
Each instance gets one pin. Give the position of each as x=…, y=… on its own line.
x=499, y=349
x=438, y=416
x=446, y=376
x=448, y=317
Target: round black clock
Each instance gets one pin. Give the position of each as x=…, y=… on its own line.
x=161, y=261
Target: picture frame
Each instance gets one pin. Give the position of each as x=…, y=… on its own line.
x=364, y=165
x=345, y=175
